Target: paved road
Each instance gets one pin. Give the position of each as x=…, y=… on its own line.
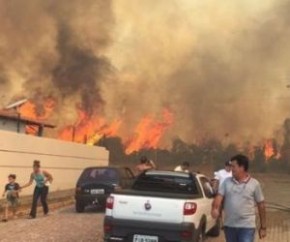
x=66, y=225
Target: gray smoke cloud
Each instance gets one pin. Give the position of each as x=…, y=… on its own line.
x=220, y=67
x=56, y=49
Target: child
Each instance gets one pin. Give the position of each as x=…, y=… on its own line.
x=12, y=194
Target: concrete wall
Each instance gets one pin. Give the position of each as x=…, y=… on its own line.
x=64, y=160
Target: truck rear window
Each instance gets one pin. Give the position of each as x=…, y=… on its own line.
x=99, y=174
x=167, y=184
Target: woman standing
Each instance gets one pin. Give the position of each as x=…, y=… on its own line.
x=42, y=179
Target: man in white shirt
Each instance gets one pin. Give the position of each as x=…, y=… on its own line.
x=223, y=174
x=220, y=176
x=184, y=167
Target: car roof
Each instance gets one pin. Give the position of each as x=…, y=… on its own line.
x=105, y=167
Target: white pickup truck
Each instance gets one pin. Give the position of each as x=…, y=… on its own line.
x=162, y=206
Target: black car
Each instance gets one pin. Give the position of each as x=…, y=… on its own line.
x=96, y=183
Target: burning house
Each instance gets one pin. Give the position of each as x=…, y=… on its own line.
x=12, y=120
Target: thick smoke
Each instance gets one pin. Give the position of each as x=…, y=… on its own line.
x=220, y=67
x=56, y=49
x=79, y=71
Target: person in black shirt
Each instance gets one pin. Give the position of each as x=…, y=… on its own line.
x=12, y=195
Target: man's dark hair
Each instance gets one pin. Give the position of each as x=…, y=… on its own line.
x=143, y=159
x=13, y=176
x=186, y=164
x=241, y=160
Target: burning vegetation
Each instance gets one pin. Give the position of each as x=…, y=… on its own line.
x=135, y=75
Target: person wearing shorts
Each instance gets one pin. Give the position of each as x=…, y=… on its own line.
x=11, y=192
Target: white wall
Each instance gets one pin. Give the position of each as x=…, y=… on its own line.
x=64, y=160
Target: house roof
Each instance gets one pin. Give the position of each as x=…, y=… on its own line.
x=28, y=121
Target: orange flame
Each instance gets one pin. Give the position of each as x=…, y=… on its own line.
x=89, y=129
x=269, y=149
x=149, y=132
x=29, y=110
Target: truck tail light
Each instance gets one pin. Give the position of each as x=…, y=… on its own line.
x=108, y=228
x=189, y=208
x=110, y=202
x=186, y=235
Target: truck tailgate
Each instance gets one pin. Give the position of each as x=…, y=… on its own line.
x=148, y=208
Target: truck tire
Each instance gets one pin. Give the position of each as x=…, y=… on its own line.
x=80, y=207
x=200, y=235
x=215, y=231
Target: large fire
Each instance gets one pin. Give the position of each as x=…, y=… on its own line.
x=149, y=132
x=31, y=110
x=89, y=129
x=40, y=113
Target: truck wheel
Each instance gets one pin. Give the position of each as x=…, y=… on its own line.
x=215, y=231
x=80, y=207
x=200, y=235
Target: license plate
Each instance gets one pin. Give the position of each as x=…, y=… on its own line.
x=97, y=191
x=144, y=238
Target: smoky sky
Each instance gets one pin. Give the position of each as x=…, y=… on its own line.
x=79, y=70
x=56, y=49
x=220, y=67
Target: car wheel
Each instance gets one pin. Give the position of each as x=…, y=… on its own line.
x=215, y=231
x=80, y=207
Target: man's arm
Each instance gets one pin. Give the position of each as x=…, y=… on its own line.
x=260, y=201
x=262, y=215
x=152, y=164
x=216, y=206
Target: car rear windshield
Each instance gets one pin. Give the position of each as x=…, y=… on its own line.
x=166, y=184
x=99, y=174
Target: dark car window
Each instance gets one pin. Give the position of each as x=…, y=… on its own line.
x=100, y=174
x=167, y=184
